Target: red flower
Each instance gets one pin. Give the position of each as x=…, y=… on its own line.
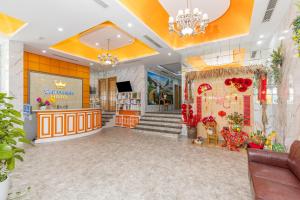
x=191, y=111
x=240, y=81
x=242, y=89
x=248, y=82
x=183, y=112
x=228, y=82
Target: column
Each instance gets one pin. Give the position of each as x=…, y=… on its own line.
x=11, y=71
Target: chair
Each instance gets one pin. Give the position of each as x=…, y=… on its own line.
x=211, y=132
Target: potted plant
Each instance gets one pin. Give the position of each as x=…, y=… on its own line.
x=43, y=104
x=11, y=135
x=257, y=140
x=235, y=121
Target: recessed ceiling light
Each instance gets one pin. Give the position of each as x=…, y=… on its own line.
x=97, y=44
x=129, y=25
x=281, y=38
x=44, y=51
x=60, y=29
x=261, y=36
x=91, y=64
x=259, y=42
x=118, y=36
x=169, y=54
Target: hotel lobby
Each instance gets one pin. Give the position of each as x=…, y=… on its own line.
x=150, y=100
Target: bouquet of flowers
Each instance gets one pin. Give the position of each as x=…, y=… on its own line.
x=257, y=140
x=42, y=103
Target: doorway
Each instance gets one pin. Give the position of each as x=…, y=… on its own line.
x=107, y=93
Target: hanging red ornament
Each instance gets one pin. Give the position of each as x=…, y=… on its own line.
x=204, y=88
x=222, y=113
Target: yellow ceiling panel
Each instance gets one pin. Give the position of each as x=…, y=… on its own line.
x=75, y=47
x=10, y=25
x=236, y=21
x=198, y=63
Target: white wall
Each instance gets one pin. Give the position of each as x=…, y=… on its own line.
x=134, y=73
x=11, y=71
x=285, y=116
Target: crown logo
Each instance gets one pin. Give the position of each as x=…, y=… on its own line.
x=60, y=84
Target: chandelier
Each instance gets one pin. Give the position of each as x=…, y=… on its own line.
x=108, y=59
x=188, y=22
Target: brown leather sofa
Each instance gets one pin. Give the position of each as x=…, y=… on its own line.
x=275, y=176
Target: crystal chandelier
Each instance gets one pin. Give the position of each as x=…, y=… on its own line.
x=108, y=59
x=188, y=23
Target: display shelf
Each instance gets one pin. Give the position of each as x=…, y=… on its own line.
x=128, y=109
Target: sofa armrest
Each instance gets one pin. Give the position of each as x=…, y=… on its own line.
x=268, y=157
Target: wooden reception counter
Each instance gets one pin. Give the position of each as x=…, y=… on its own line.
x=55, y=125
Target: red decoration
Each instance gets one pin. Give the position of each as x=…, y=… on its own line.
x=222, y=113
x=186, y=95
x=204, y=87
x=240, y=84
x=208, y=119
x=199, y=107
x=247, y=111
x=233, y=140
x=262, y=90
x=255, y=146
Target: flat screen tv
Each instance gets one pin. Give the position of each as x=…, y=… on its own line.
x=124, y=86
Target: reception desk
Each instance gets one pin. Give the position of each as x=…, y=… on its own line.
x=55, y=125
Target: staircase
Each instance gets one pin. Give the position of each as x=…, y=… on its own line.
x=107, y=118
x=161, y=123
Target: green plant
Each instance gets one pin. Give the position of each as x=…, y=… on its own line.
x=296, y=32
x=257, y=138
x=277, y=60
x=235, y=118
x=11, y=134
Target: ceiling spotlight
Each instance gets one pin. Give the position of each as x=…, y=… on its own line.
x=44, y=51
x=261, y=36
x=169, y=54
x=118, y=36
x=60, y=29
x=281, y=38
x=129, y=25
x=97, y=44
x=259, y=42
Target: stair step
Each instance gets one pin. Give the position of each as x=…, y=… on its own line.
x=176, y=120
x=161, y=120
x=163, y=116
x=159, y=128
x=161, y=124
x=158, y=131
x=164, y=113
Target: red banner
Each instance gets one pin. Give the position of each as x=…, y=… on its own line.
x=199, y=107
x=262, y=90
x=247, y=111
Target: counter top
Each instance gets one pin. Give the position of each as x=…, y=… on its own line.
x=66, y=110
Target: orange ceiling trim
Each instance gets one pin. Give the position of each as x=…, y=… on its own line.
x=236, y=21
x=198, y=63
x=10, y=25
x=73, y=46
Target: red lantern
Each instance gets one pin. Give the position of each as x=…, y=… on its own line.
x=183, y=106
x=222, y=113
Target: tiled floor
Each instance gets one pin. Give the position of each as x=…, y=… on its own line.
x=120, y=164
